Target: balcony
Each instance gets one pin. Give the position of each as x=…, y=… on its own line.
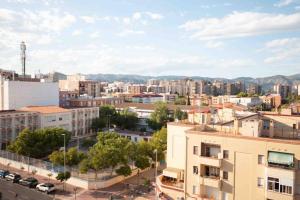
x=277, y=195
x=170, y=183
x=211, y=181
x=211, y=161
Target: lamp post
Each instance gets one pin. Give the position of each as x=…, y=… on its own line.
x=64, y=158
x=155, y=151
x=75, y=190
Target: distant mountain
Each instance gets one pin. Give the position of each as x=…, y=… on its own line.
x=266, y=82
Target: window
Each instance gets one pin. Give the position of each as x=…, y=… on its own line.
x=195, y=169
x=260, y=182
x=135, y=139
x=285, y=189
x=195, y=189
x=196, y=150
x=225, y=154
x=225, y=175
x=261, y=159
x=60, y=118
x=273, y=184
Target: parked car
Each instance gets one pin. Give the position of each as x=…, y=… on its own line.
x=15, y=178
x=29, y=182
x=3, y=173
x=46, y=187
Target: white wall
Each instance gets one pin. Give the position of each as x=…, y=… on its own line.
x=176, y=145
x=18, y=94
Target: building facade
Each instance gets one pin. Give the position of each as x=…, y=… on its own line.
x=214, y=165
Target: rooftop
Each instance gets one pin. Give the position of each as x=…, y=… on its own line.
x=45, y=109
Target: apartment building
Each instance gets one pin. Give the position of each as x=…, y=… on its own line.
x=94, y=102
x=206, y=164
x=77, y=121
x=146, y=98
x=79, y=84
x=136, y=88
x=18, y=94
x=271, y=101
x=13, y=121
x=283, y=90
x=82, y=119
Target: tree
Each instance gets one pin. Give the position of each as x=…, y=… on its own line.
x=126, y=119
x=73, y=157
x=63, y=176
x=180, y=101
x=39, y=143
x=242, y=94
x=110, y=151
x=107, y=113
x=159, y=117
x=124, y=170
x=179, y=114
x=159, y=142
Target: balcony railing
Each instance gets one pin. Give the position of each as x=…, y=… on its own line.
x=212, y=181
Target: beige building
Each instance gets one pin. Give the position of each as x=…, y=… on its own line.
x=229, y=166
x=79, y=84
x=12, y=122
x=76, y=120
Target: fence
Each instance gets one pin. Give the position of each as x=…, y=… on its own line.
x=46, y=165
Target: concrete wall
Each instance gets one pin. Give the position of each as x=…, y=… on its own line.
x=86, y=184
x=18, y=94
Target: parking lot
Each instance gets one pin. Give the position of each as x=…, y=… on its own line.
x=11, y=190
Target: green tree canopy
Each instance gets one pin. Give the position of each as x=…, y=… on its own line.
x=39, y=143
x=110, y=151
x=179, y=114
x=126, y=119
x=73, y=157
x=159, y=117
x=242, y=94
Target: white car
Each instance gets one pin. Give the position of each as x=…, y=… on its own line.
x=46, y=187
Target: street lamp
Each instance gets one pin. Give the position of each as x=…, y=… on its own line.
x=64, y=158
x=155, y=151
x=75, y=190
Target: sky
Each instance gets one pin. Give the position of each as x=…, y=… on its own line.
x=211, y=38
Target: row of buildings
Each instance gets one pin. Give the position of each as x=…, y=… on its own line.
x=229, y=153
x=33, y=103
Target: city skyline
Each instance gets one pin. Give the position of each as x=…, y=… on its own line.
x=208, y=38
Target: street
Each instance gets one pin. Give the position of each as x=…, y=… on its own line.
x=13, y=191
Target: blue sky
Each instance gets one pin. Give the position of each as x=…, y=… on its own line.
x=153, y=37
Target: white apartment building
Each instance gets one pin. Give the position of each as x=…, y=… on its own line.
x=18, y=94
x=246, y=101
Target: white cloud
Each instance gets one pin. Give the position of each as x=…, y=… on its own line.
x=131, y=32
x=154, y=16
x=88, y=19
x=241, y=24
x=40, y=27
x=214, y=44
x=77, y=32
x=283, y=3
x=282, y=50
x=137, y=16
x=95, y=35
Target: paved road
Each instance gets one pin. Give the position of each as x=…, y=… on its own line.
x=13, y=191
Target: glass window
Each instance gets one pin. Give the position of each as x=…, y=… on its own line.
x=225, y=175
x=225, y=154
x=260, y=182
x=195, y=169
x=261, y=159
x=196, y=150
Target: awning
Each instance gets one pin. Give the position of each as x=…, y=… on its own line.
x=172, y=172
x=281, y=158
